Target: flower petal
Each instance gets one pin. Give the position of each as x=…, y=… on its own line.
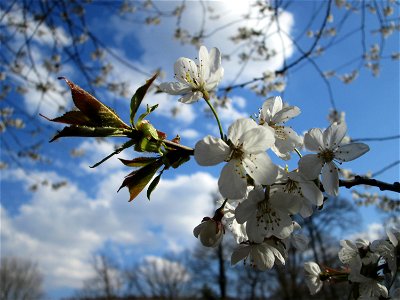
x=262, y=257
x=270, y=107
x=248, y=207
x=239, y=127
x=276, y=253
x=239, y=254
x=311, y=192
x=286, y=139
x=310, y=166
x=215, y=60
x=276, y=106
x=198, y=229
x=191, y=97
x=211, y=151
x=261, y=168
x=334, y=135
x=175, y=88
x=186, y=71
x=312, y=268
x=204, y=63
x=330, y=179
x=351, y=151
x=214, y=79
x=254, y=230
x=232, y=182
x=286, y=114
x=313, y=140
x=257, y=140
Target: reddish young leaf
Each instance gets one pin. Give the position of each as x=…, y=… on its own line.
x=74, y=117
x=92, y=108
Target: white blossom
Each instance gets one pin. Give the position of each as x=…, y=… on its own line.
x=355, y=255
x=302, y=193
x=350, y=254
x=312, y=277
x=273, y=115
x=229, y=220
x=195, y=79
x=328, y=146
x=265, y=216
x=388, y=249
x=261, y=256
x=297, y=240
x=371, y=289
x=244, y=152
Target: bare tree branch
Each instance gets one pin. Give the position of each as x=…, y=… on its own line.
x=360, y=180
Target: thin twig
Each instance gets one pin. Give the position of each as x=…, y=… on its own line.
x=360, y=180
x=377, y=139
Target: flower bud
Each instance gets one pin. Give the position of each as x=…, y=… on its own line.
x=209, y=231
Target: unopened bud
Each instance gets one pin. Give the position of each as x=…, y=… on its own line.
x=210, y=232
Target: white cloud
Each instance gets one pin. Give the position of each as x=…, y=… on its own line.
x=373, y=232
x=61, y=229
x=183, y=113
x=96, y=150
x=232, y=111
x=189, y=133
x=157, y=268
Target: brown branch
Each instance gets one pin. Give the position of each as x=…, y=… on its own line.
x=359, y=180
x=377, y=139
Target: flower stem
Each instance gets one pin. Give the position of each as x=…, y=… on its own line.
x=298, y=152
x=207, y=99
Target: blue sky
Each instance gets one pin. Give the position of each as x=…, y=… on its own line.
x=61, y=229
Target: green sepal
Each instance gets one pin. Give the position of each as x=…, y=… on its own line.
x=149, y=110
x=148, y=130
x=146, y=145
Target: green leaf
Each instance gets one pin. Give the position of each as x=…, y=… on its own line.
x=138, y=179
x=93, y=109
x=84, y=131
x=149, y=110
x=153, y=185
x=138, y=97
x=138, y=162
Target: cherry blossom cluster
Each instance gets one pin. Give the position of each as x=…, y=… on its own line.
x=368, y=266
x=261, y=198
